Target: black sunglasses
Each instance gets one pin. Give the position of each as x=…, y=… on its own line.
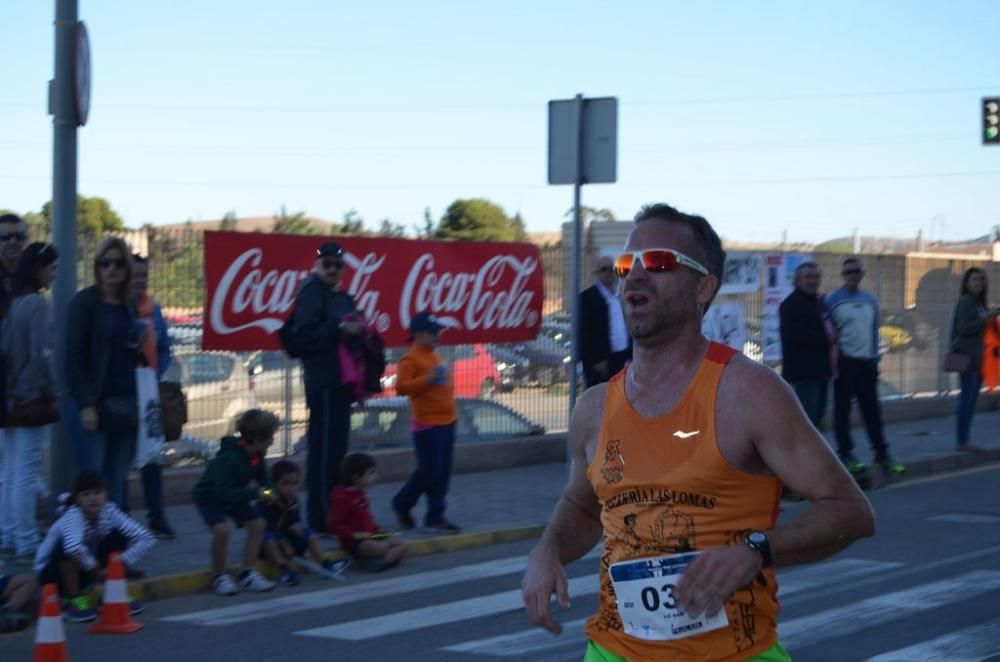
x=19, y=236
x=851, y=272
x=108, y=262
x=332, y=264
x=603, y=270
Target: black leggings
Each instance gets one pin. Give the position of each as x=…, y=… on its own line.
x=113, y=542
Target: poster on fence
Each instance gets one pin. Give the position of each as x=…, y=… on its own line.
x=480, y=291
x=741, y=274
x=725, y=322
x=779, y=282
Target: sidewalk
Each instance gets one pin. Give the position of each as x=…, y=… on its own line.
x=514, y=504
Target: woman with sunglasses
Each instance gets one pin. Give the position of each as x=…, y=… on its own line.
x=27, y=339
x=104, y=344
x=967, y=329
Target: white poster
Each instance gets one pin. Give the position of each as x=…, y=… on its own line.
x=741, y=273
x=779, y=281
x=725, y=323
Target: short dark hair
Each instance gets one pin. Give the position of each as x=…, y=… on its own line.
x=256, y=424
x=138, y=259
x=354, y=466
x=88, y=480
x=10, y=218
x=803, y=266
x=283, y=468
x=708, y=239
x=36, y=256
x=850, y=260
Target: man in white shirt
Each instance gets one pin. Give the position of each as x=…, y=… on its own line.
x=605, y=345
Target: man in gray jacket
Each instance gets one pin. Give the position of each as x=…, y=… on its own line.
x=320, y=321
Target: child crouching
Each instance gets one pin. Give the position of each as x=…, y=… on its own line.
x=78, y=546
x=286, y=537
x=233, y=484
x=350, y=517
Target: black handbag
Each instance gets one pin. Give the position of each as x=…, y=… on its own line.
x=34, y=413
x=118, y=413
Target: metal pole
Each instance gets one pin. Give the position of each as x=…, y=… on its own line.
x=64, y=176
x=575, y=258
x=287, y=436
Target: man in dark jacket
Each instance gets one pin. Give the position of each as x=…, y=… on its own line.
x=605, y=345
x=13, y=239
x=317, y=327
x=807, y=342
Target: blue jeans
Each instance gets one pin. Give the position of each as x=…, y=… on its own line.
x=971, y=382
x=80, y=441
x=812, y=396
x=435, y=449
x=22, y=485
x=113, y=452
x=329, y=427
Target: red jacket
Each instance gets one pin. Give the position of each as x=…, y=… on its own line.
x=348, y=514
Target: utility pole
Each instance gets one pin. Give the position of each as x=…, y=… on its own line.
x=69, y=102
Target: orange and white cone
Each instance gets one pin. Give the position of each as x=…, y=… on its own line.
x=50, y=638
x=114, y=618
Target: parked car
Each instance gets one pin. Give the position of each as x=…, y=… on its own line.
x=217, y=389
x=266, y=371
x=513, y=368
x=547, y=360
x=475, y=370
x=385, y=422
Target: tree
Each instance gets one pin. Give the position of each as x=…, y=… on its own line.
x=518, y=222
x=94, y=217
x=228, y=222
x=477, y=219
x=297, y=223
x=592, y=215
x=353, y=223
x=425, y=231
x=387, y=228
x=177, y=258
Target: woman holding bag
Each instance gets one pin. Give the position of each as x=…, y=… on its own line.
x=967, y=328
x=104, y=342
x=26, y=340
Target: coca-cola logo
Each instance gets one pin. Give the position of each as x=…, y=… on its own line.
x=500, y=294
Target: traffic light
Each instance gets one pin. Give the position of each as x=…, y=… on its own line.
x=991, y=121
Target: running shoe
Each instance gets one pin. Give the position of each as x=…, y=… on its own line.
x=79, y=610
x=225, y=585
x=254, y=582
x=892, y=468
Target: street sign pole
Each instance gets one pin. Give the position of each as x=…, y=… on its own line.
x=575, y=260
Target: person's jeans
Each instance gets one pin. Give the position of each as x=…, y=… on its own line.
x=80, y=440
x=329, y=426
x=971, y=382
x=435, y=449
x=857, y=378
x=22, y=485
x=113, y=452
x=812, y=396
x=152, y=490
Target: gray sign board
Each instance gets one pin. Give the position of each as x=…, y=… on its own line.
x=592, y=145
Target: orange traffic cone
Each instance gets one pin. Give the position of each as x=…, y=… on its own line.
x=50, y=638
x=115, y=618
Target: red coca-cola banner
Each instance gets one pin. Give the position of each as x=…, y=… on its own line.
x=481, y=291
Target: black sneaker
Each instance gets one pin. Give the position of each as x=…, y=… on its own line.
x=289, y=578
x=162, y=529
x=405, y=519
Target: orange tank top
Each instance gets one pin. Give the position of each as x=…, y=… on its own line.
x=665, y=488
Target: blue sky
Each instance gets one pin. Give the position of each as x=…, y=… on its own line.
x=813, y=118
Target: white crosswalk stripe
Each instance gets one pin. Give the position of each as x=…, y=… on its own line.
x=354, y=593
x=424, y=617
x=841, y=621
x=533, y=640
x=971, y=644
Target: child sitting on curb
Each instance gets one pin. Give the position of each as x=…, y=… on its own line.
x=78, y=546
x=350, y=517
x=233, y=485
x=286, y=538
x=17, y=592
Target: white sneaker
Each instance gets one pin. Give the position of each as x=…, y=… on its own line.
x=224, y=584
x=255, y=582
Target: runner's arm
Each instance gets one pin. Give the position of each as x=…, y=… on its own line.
x=791, y=448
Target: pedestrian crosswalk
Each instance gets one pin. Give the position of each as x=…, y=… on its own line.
x=470, y=625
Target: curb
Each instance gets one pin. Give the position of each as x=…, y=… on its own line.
x=187, y=583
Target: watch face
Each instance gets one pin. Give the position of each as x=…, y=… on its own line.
x=757, y=538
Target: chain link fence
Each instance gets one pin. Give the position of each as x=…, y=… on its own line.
x=516, y=389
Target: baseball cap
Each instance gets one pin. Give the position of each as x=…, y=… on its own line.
x=424, y=321
x=329, y=249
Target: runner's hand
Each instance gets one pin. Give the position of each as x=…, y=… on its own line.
x=715, y=576
x=544, y=576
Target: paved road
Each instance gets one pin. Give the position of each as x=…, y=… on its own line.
x=927, y=587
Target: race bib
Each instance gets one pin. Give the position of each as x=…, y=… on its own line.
x=647, y=604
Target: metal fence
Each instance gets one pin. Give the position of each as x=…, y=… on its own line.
x=519, y=388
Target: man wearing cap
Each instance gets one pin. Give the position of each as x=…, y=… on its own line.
x=423, y=377
x=605, y=345
x=320, y=321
